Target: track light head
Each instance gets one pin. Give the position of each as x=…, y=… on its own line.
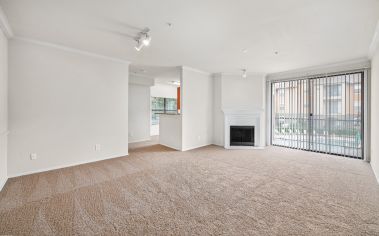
x=139, y=45
x=244, y=73
x=146, y=39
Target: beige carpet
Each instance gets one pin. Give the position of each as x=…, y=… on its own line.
x=208, y=191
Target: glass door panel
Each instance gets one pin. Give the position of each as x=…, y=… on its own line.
x=322, y=114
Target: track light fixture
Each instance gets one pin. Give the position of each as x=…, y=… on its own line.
x=244, y=73
x=143, y=39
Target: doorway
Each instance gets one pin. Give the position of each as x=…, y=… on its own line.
x=321, y=114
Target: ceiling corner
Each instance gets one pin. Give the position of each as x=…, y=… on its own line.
x=4, y=24
x=374, y=43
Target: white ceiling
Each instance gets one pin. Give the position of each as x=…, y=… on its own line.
x=205, y=34
x=160, y=74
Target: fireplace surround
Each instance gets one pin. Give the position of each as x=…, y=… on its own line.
x=244, y=118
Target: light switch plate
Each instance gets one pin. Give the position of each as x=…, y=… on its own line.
x=97, y=147
x=33, y=156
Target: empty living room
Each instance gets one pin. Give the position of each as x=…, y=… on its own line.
x=197, y=117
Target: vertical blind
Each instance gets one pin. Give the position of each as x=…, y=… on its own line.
x=321, y=114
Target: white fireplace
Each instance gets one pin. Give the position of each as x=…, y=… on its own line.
x=245, y=118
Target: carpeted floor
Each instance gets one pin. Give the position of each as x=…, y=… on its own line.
x=208, y=191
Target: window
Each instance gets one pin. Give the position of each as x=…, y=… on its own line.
x=170, y=105
x=281, y=99
x=357, y=88
x=334, y=90
x=322, y=114
x=281, y=92
x=335, y=107
x=161, y=106
x=357, y=107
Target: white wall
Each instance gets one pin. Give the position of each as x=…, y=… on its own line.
x=3, y=108
x=197, y=108
x=243, y=93
x=235, y=92
x=163, y=91
x=171, y=135
x=218, y=115
x=61, y=104
x=139, y=113
x=375, y=113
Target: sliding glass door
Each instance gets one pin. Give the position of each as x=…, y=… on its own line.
x=323, y=114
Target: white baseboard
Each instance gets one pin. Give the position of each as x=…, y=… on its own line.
x=170, y=146
x=376, y=175
x=195, y=147
x=221, y=144
x=2, y=184
x=244, y=147
x=64, y=166
x=141, y=140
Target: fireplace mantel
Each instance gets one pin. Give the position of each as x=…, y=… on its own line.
x=244, y=117
x=256, y=111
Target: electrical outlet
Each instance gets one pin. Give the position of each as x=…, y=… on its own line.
x=33, y=156
x=198, y=137
x=97, y=147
